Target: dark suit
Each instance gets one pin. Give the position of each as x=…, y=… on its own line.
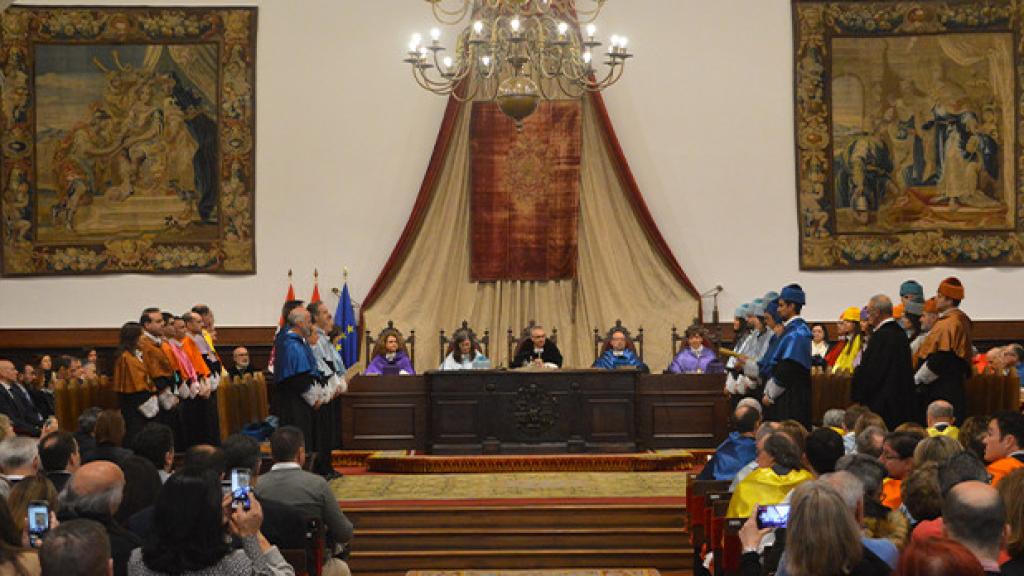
x=86, y=444
x=526, y=354
x=59, y=479
x=109, y=453
x=18, y=406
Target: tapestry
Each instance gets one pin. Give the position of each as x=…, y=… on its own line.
x=128, y=141
x=906, y=133
x=525, y=193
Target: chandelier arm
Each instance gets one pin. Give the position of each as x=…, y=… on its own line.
x=424, y=82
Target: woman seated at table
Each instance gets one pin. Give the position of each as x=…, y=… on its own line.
x=389, y=356
x=465, y=354
x=819, y=346
x=618, y=355
x=696, y=358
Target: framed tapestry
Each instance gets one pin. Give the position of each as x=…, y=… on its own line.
x=907, y=116
x=128, y=140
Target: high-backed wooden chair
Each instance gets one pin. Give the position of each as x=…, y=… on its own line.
x=447, y=344
x=515, y=344
x=634, y=343
x=406, y=343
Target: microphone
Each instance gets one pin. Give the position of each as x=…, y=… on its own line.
x=714, y=291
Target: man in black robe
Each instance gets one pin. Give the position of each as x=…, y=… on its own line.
x=884, y=381
x=540, y=350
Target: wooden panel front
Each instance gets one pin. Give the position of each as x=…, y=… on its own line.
x=681, y=411
x=385, y=413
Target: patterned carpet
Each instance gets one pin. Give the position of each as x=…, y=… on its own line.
x=526, y=485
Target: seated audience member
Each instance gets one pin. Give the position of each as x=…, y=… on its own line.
x=618, y=355
x=86, y=431
x=283, y=525
x=47, y=374
x=110, y=431
x=938, y=557
x=206, y=457
x=941, y=421
x=796, y=432
x=822, y=538
x=851, y=491
x=94, y=493
x=389, y=355
x=465, y=354
x=1000, y=360
x=912, y=428
x=868, y=419
x=695, y=358
x=189, y=532
x=961, y=467
x=14, y=557
x=6, y=428
x=738, y=450
x=973, y=514
x=32, y=488
x=1004, y=444
x=898, y=459
x=242, y=365
x=141, y=487
x=763, y=431
x=41, y=396
x=819, y=346
x=824, y=449
x=879, y=520
x=835, y=418
x=1011, y=489
x=850, y=424
x=76, y=548
x=972, y=435
x=59, y=457
x=936, y=449
x=779, y=470
x=17, y=404
x=539, y=351
x=19, y=458
x=289, y=484
x=869, y=441
x=921, y=494
x=155, y=442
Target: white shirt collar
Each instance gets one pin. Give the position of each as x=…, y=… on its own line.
x=155, y=339
x=286, y=466
x=786, y=323
x=886, y=321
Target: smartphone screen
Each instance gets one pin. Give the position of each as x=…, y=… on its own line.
x=240, y=478
x=38, y=517
x=774, y=516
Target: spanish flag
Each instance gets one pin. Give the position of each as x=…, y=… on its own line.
x=763, y=487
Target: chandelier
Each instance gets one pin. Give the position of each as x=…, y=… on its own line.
x=516, y=52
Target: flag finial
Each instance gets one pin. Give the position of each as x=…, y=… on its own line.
x=316, y=274
x=289, y=274
x=344, y=273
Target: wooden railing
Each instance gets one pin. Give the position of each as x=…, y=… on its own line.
x=239, y=401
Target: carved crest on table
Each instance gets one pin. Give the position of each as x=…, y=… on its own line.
x=535, y=409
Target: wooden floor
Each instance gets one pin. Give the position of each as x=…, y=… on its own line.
x=392, y=540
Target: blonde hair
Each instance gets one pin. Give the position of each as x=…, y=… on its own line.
x=936, y=449
x=28, y=489
x=1011, y=488
x=813, y=550
x=5, y=423
x=869, y=419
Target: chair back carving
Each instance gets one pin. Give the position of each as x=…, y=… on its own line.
x=679, y=341
x=447, y=344
x=406, y=344
x=634, y=343
x=515, y=344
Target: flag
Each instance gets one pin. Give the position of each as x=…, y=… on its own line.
x=280, y=323
x=345, y=320
x=316, y=289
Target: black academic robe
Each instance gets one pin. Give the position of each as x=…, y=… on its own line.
x=795, y=404
x=526, y=354
x=884, y=381
x=952, y=372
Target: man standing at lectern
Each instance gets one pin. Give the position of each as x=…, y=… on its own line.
x=788, y=392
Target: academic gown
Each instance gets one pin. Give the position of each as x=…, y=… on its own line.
x=549, y=355
x=789, y=385
x=947, y=352
x=381, y=365
x=610, y=361
x=295, y=372
x=884, y=381
x=689, y=361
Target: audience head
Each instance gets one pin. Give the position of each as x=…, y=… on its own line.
x=961, y=467
x=77, y=548
x=850, y=489
x=869, y=441
x=141, y=486
x=10, y=539
x=818, y=333
x=95, y=490
x=28, y=374
x=59, y=451
x=778, y=449
x=973, y=514
x=19, y=456
x=936, y=449
x=188, y=524
x=898, y=453
x=912, y=428
x=241, y=357
x=752, y=403
x=110, y=428
x=938, y=412
x=797, y=433
x=811, y=550
x=87, y=420
x=824, y=449
x=62, y=366
x=1005, y=435
x=6, y=430
x=288, y=445
x=155, y=442
x=869, y=419
x=868, y=470
x=834, y=418
x=128, y=339
x=8, y=373
x=241, y=451
x=921, y=492
x=1011, y=489
x=938, y=557
x=745, y=420
x=972, y=435
x=852, y=414
x=30, y=489
x=205, y=457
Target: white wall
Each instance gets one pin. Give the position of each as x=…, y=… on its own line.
x=704, y=114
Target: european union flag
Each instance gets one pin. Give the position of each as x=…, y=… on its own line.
x=345, y=320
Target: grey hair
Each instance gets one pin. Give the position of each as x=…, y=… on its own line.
x=834, y=418
x=940, y=409
x=295, y=316
x=850, y=488
x=865, y=445
x=752, y=403
x=868, y=470
x=882, y=303
x=105, y=502
x=765, y=429
x=18, y=452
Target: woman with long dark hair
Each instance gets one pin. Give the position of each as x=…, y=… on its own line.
x=14, y=558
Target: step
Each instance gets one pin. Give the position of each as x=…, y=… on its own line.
x=522, y=516
x=661, y=559
x=518, y=538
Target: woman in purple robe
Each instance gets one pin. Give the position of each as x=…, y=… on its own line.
x=389, y=356
x=695, y=358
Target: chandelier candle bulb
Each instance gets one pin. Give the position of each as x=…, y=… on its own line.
x=591, y=30
x=435, y=34
x=478, y=27
x=515, y=25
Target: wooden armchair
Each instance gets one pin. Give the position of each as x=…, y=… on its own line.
x=515, y=344
x=634, y=343
x=406, y=344
x=447, y=344
x=679, y=341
